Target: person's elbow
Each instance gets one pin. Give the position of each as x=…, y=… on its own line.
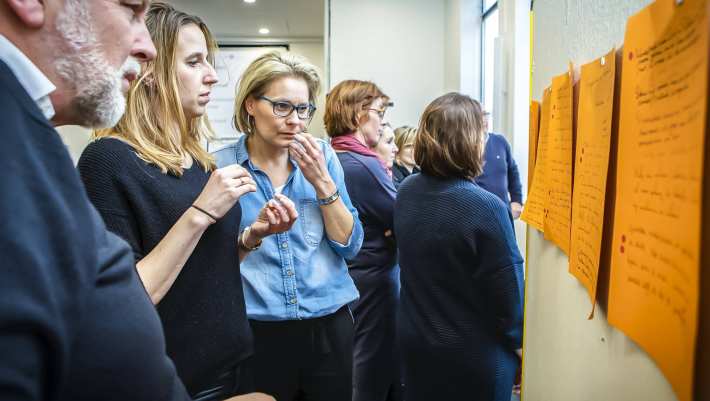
x=512, y=330
x=351, y=247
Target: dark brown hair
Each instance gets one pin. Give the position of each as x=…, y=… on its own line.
x=449, y=140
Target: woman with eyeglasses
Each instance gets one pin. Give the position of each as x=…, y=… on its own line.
x=296, y=283
x=354, y=119
x=156, y=187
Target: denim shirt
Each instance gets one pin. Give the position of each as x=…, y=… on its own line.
x=299, y=274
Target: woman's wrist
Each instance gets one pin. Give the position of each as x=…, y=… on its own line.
x=325, y=189
x=250, y=240
x=198, y=219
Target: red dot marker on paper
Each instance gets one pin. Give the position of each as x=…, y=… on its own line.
x=631, y=55
x=623, y=238
x=622, y=249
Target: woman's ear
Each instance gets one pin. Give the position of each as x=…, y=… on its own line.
x=29, y=12
x=250, y=105
x=360, y=118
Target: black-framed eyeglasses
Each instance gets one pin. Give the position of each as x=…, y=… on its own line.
x=284, y=109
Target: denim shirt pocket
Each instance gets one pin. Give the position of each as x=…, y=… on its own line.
x=311, y=221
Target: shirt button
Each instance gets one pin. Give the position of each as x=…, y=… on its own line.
x=284, y=245
x=289, y=272
x=292, y=301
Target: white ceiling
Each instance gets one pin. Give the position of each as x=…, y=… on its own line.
x=234, y=19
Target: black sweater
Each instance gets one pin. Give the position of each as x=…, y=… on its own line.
x=75, y=322
x=203, y=313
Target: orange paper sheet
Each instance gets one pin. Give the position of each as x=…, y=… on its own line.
x=533, y=129
x=536, y=204
x=656, y=243
x=558, y=217
x=594, y=120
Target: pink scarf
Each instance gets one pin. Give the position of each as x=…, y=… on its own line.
x=349, y=143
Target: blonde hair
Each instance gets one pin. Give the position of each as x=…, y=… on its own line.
x=404, y=135
x=262, y=72
x=346, y=103
x=450, y=138
x=154, y=123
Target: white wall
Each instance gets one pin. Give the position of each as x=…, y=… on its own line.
x=462, y=44
x=313, y=51
x=398, y=44
x=76, y=138
x=566, y=356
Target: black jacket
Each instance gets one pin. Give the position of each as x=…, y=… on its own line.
x=75, y=321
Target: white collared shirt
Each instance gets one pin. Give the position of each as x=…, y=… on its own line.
x=37, y=85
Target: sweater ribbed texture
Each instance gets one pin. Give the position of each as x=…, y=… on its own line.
x=461, y=308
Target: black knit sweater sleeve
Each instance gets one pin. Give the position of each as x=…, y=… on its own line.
x=104, y=166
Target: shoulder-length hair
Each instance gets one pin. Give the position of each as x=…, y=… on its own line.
x=154, y=123
x=346, y=103
x=449, y=140
x=269, y=67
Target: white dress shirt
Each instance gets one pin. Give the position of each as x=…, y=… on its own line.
x=37, y=85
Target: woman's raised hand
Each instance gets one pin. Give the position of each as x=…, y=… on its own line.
x=277, y=216
x=224, y=188
x=310, y=159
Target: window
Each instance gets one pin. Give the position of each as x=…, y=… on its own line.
x=489, y=35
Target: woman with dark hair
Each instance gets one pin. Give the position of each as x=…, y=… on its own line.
x=461, y=311
x=354, y=119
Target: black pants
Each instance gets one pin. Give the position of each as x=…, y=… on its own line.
x=235, y=381
x=376, y=372
x=305, y=360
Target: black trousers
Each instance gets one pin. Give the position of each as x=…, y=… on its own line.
x=376, y=370
x=235, y=381
x=305, y=360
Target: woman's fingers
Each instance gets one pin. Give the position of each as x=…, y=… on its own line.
x=314, y=143
x=247, y=180
x=280, y=210
x=232, y=171
x=271, y=217
x=288, y=205
x=240, y=190
x=310, y=146
x=284, y=200
x=301, y=154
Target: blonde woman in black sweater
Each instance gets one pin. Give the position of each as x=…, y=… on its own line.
x=159, y=190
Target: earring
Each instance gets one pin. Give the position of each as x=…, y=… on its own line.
x=250, y=125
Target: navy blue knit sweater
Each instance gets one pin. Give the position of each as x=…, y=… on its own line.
x=500, y=172
x=372, y=193
x=461, y=310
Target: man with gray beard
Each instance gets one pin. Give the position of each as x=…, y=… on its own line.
x=75, y=321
